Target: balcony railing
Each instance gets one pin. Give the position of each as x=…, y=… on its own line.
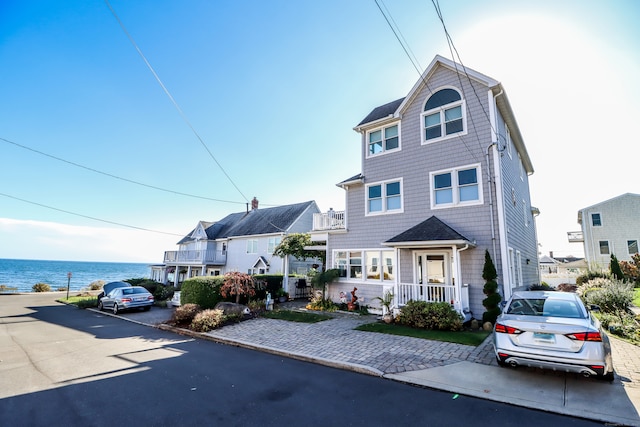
x=196, y=257
x=429, y=293
x=332, y=220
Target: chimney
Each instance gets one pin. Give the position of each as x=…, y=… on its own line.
x=254, y=203
x=550, y=254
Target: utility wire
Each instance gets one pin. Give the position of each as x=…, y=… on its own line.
x=173, y=101
x=90, y=217
x=417, y=67
x=115, y=176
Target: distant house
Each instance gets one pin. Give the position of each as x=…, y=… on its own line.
x=444, y=177
x=242, y=241
x=610, y=227
x=555, y=271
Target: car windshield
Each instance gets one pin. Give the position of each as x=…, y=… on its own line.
x=545, y=307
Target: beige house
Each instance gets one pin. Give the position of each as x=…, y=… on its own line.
x=610, y=227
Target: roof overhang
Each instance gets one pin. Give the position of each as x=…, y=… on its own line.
x=431, y=244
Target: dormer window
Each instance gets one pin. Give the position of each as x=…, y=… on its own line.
x=444, y=116
x=383, y=140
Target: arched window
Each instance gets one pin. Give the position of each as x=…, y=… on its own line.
x=444, y=116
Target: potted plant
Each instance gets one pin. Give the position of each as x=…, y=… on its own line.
x=282, y=295
x=386, y=301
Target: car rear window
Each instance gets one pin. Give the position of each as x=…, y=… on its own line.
x=130, y=291
x=545, y=307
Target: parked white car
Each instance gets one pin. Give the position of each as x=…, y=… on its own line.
x=552, y=330
x=175, y=301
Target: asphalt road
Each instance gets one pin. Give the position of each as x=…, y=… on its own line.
x=63, y=366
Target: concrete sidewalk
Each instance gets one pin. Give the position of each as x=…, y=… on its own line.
x=455, y=368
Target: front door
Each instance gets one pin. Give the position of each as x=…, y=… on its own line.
x=433, y=272
x=433, y=268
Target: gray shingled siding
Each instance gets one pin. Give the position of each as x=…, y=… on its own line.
x=520, y=237
x=412, y=164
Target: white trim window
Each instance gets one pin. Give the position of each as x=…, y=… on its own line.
x=383, y=140
x=604, y=247
x=508, y=142
x=444, y=116
x=596, y=220
x=273, y=244
x=526, y=213
x=252, y=247
x=456, y=187
x=632, y=247
x=377, y=264
x=384, y=197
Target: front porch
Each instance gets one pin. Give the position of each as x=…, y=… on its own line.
x=458, y=298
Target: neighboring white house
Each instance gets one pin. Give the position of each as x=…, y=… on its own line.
x=242, y=241
x=610, y=227
x=445, y=176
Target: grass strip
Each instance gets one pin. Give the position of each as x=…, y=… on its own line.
x=296, y=316
x=473, y=338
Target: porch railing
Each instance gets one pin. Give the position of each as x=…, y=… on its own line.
x=332, y=220
x=196, y=257
x=426, y=292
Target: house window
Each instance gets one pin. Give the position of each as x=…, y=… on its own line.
x=252, y=247
x=456, y=187
x=632, y=246
x=596, y=220
x=379, y=265
x=385, y=197
x=273, y=244
x=526, y=213
x=604, y=247
x=444, y=116
x=508, y=141
x=383, y=140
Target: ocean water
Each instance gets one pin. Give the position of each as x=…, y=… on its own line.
x=24, y=273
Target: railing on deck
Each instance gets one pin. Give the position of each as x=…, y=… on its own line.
x=196, y=257
x=332, y=220
x=428, y=293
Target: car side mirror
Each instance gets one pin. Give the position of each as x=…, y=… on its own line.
x=594, y=307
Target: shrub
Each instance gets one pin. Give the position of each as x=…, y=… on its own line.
x=185, y=313
x=207, y=320
x=202, y=290
x=622, y=324
x=490, y=289
x=614, y=268
x=631, y=269
x=321, y=304
x=267, y=283
x=238, y=284
x=613, y=296
x=163, y=293
x=430, y=315
x=96, y=285
x=589, y=276
x=41, y=287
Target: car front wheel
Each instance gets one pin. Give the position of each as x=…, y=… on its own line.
x=100, y=306
x=115, y=308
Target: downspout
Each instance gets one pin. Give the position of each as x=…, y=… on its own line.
x=491, y=206
x=498, y=187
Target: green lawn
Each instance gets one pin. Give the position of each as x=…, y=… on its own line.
x=636, y=297
x=296, y=316
x=81, y=302
x=461, y=337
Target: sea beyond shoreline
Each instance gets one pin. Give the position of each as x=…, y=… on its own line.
x=19, y=275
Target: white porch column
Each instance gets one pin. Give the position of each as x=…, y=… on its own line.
x=457, y=278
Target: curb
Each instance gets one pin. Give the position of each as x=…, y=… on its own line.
x=354, y=367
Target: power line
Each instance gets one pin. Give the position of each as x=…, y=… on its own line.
x=115, y=176
x=89, y=217
x=173, y=101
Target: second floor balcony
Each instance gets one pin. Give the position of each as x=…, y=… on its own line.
x=199, y=257
x=331, y=220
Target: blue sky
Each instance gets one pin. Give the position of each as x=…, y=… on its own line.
x=274, y=89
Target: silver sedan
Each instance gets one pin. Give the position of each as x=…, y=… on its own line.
x=552, y=330
x=126, y=298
